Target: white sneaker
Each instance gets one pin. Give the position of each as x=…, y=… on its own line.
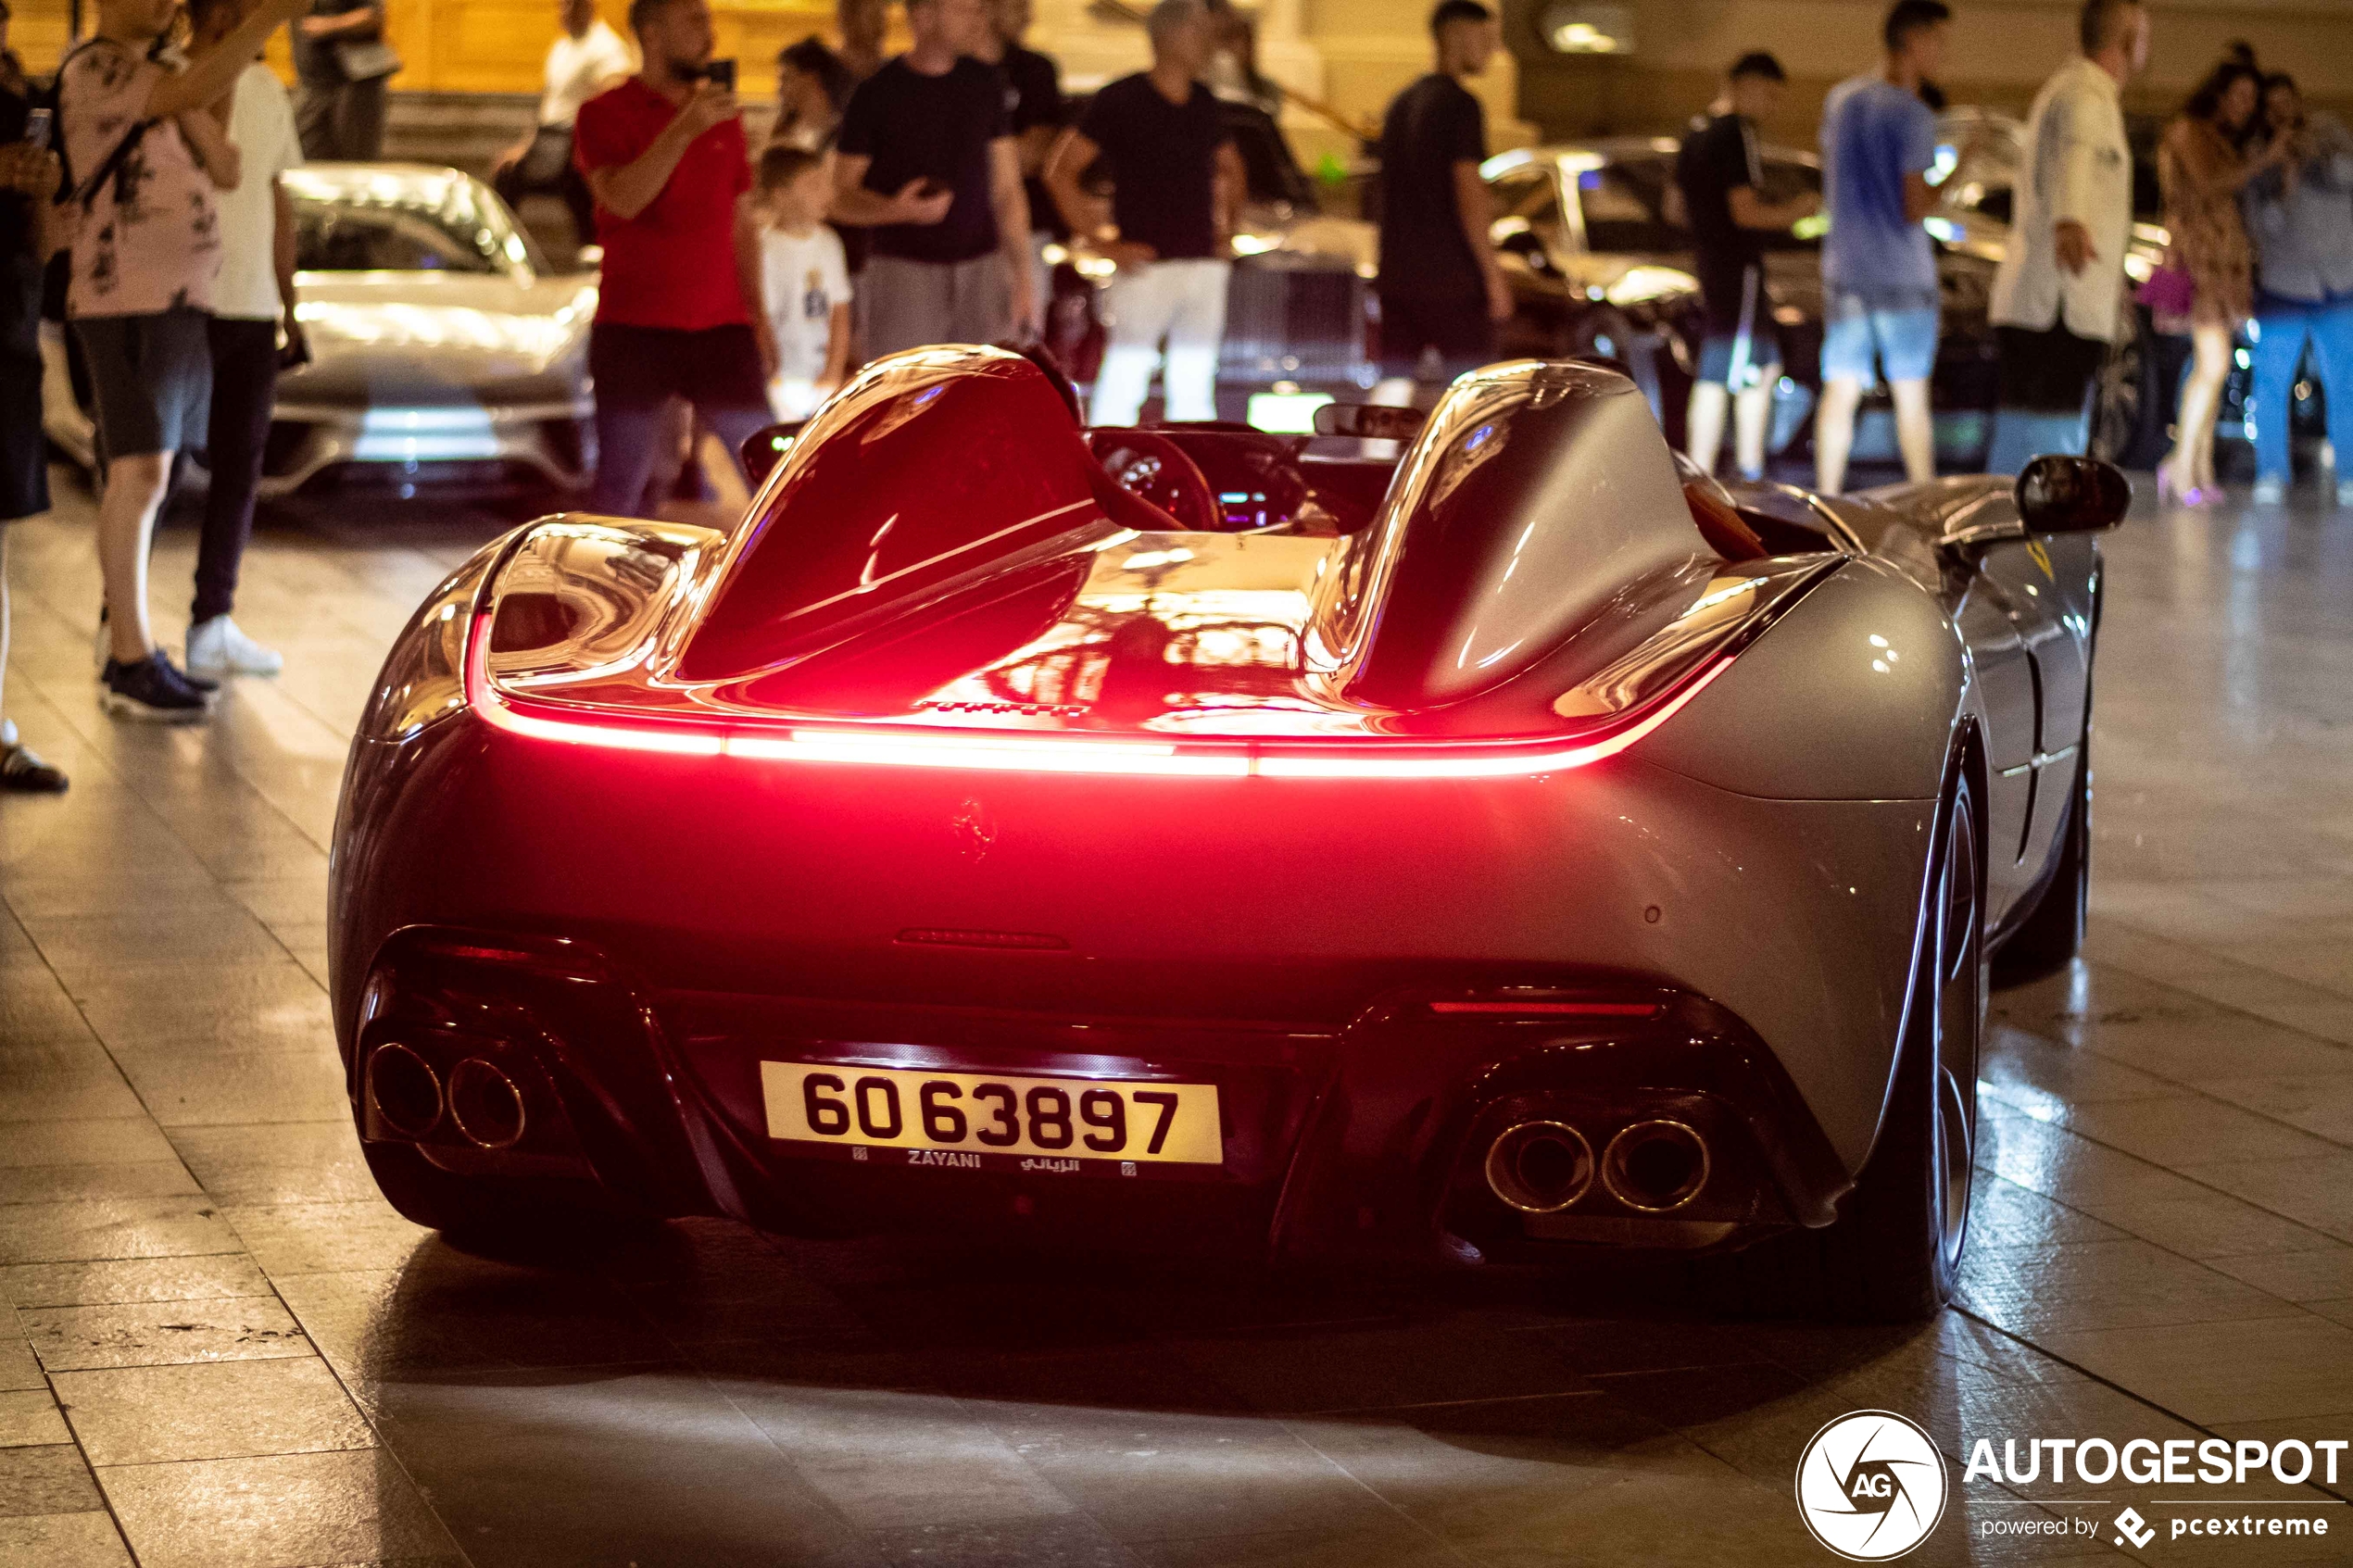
x=2270, y=490
x=218, y=648
x=2345, y=491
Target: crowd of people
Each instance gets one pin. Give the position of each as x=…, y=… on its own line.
x=900, y=202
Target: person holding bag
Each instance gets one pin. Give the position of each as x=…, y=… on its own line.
x=343, y=66
x=2202, y=168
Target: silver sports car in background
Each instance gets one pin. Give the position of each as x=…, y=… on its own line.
x=442, y=348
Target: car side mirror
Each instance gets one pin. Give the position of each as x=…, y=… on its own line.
x=763, y=450
x=2063, y=495
x=1370, y=421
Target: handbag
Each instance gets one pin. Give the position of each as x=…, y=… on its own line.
x=2171, y=291
x=365, y=60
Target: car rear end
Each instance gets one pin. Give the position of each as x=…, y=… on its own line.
x=1247, y=972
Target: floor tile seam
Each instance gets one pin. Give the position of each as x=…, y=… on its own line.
x=245, y=1249
x=2134, y=1395
x=2180, y=1175
x=65, y=1413
x=1396, y=1510
x=2165, y=984
x=1467, y=1404
x=234, y=1459
x=360, y=1408
x=147, y=797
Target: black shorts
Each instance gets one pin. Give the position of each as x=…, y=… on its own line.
x=1457, y=327
x=2048, y=371
x=150, y=379
x=645, y=366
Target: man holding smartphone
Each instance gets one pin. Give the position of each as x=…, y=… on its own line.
x=678, y=308
x=251, y=300
x=929, y=162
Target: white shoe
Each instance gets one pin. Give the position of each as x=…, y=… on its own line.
x=2345, y=491
x=218, y=648
x=2270, y=490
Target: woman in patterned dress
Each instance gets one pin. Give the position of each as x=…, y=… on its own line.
x=2202, y=167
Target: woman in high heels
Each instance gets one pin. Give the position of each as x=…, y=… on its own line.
x=2201, y=167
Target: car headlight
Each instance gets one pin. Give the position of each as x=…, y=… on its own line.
x=423, y=680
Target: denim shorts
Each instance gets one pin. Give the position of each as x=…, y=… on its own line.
x=1854, y=333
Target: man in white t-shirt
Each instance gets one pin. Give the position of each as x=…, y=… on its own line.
x=803, y=279
x=252, y=298
x=587, y=57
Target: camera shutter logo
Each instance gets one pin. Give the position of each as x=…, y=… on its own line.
x=1871, y=1486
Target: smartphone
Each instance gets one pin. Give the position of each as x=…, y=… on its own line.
x=38, y=124
x=721, y=74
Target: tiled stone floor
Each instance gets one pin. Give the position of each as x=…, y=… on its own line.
x=218, y=1346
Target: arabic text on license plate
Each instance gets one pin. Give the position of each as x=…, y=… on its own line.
x=992, y=1113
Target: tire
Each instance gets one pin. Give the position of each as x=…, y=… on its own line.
x=2130, y=409
x=2050, y=937
x=1893, y=1253
x=499, y=1214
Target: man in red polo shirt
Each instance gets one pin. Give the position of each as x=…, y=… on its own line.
x=678, y=308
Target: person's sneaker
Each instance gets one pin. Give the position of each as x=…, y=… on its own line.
x=218, y=646
x=23, y=772
x=2345, y=491
x=150, y=688
x=2270, y=490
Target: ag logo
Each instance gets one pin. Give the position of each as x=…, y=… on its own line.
x=1871, y=1486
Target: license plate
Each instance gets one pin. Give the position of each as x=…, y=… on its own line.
x=979, y=1121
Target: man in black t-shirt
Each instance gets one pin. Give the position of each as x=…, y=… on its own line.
x=927, y=162
x=1034, y=103
x=339, y=116
x=1721, y=179
x=1175, y=180
x=1441, y=288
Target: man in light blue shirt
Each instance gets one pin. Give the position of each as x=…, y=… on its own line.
x=1879, y=270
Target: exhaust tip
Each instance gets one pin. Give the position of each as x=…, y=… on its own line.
x=1656, y=1167
x=404, y=1090
x=1539, y=1167
x=486, y=1105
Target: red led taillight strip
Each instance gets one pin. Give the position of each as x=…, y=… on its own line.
x=1337, y=759
x=1553, y=1010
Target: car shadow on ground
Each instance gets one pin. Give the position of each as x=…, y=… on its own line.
x=698, y=1392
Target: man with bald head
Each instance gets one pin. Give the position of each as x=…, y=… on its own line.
x=2058, y=296
x=1176, y=179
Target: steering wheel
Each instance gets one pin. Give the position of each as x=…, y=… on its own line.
x=1156, y=470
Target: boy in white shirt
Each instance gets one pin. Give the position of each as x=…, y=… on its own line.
x=804, y=281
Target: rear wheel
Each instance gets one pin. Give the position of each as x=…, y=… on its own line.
x=1895, y=1250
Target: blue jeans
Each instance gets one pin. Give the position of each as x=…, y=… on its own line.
x=626, y=442
x=2284, y=327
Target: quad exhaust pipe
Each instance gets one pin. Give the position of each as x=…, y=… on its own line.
x=410, y=1099
x=1539, y=1167
x=1656, y=1166
x=1652, y=1167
